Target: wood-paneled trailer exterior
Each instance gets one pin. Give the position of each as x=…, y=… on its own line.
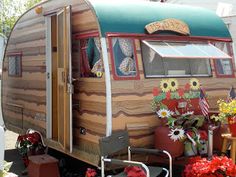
x=73, y=107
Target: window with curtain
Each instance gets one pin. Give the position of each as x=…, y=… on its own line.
x=223, y=67
x=124, y=61
x=14, y=65
x=90, y=57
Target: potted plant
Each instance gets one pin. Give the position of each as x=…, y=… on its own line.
x=227, y=114
x=177, y=109
x=180, y=133
x=216, y=167
x=30, y=144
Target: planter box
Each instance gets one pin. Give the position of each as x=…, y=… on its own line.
x=43, y=166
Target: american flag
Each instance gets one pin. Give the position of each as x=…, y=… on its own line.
x=203, y=104
x=232, y=94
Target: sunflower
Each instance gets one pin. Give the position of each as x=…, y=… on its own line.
x=194, y=84
x=164, y=85
x=173, y=84
x=163, y=113
x=176, y=134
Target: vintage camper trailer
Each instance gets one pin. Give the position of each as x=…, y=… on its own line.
x=77, y=70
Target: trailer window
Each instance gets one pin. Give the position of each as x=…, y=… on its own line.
x=157, y=66
x=224, y=67
x=124, y=61
x=90, y=57
x=14, y=65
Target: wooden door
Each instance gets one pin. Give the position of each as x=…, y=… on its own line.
x=64, y=80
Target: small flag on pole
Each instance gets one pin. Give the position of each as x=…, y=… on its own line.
x=232, y=94
x=204, y=106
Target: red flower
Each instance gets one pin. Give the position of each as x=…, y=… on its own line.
x=181, y=92
x=90, y=172
x=168, y=95
x=155, y=91
x=134, y=171
x=203, y=135
x=218, y=167
x=187, y=87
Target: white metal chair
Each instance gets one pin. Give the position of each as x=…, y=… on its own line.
x=119, y=141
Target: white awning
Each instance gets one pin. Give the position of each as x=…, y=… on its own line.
x=186, y=50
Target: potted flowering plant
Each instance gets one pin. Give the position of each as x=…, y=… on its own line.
x=30, y=144
x=183, y=129
x=217, y=167
x=227, y=113
x=178, y=109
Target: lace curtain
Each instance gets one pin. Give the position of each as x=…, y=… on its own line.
x=127, y=64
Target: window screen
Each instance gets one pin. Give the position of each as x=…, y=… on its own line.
x=186, y=50
x=14, y=65
x=223, y=66
x=156, y=65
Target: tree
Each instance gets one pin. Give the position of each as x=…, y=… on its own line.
x=10, y=11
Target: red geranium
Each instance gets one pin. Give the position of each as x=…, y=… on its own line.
x=29, y=144
x=90, y=172
x=218, y=167
x=134, y=171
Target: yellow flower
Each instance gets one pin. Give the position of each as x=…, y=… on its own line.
x=173, y=84
x=164, y=85
x=194, y=84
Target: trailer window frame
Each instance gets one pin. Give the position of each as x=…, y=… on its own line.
x=116, y=76
x=19, y=57
x=166, y=75
x=81, y=38
x=177, y=38
x=231, y=63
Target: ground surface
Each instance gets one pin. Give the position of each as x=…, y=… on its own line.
x=69, y=169
x=11, y=154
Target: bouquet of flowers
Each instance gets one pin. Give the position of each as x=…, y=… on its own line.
x=30, y=144
x=183, y=126
x=227, y=113
x=226, y=110
x=179, y=107
x=217, y=167
x=90, y=172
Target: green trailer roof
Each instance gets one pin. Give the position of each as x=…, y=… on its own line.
x=132, y=16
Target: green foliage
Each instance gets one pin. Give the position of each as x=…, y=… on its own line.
x=10, y=11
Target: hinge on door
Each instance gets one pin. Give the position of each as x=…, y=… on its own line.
x=70, y=88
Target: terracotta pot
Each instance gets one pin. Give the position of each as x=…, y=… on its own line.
x=163, y=142
x=232, y=125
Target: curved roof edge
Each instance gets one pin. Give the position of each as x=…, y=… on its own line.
x=131, y=17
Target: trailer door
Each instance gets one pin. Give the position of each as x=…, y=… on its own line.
x=64, y=78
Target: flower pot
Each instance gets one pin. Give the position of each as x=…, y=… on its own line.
x=163, y=142
x=232, y=125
